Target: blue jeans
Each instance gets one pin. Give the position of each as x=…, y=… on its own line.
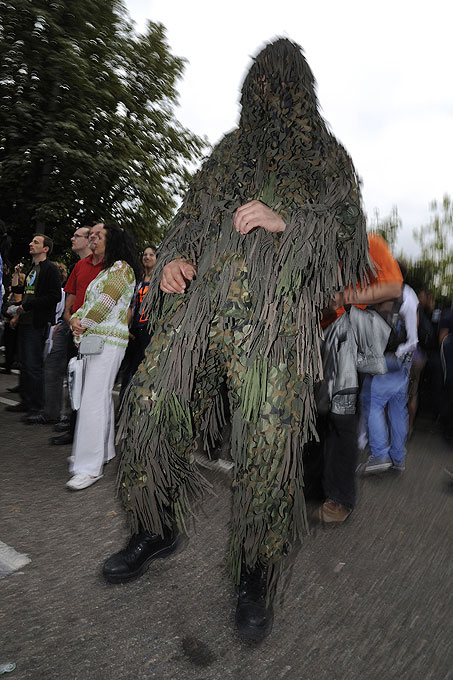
x=31, y=350
x=387, y=434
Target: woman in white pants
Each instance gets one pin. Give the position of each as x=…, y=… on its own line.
x=103, y=313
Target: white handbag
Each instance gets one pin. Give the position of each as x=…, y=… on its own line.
x=76, y=368
x=91, y=344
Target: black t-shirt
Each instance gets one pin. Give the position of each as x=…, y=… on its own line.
x=446, y=320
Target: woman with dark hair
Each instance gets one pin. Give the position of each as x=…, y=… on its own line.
x=103, y=313
x=138, y=321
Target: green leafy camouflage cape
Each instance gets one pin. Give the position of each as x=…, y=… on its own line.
x=282, y=154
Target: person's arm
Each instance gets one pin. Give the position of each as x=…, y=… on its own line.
x=373, y=294
x=184, y=241
x=118, y=276
x=16, y=288
x=68, y=307
x=442, y=334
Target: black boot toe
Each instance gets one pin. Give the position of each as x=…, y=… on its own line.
x=131, y=562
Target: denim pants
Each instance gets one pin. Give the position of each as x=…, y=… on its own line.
x=55, y=367
x=31, y=348
x=387, y=432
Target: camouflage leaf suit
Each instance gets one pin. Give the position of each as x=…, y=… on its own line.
x=251, y=317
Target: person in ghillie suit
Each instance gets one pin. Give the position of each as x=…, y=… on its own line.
x=270, y=229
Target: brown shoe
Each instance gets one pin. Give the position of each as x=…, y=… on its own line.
x=332, y=512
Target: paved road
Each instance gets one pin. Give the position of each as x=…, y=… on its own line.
x=369, y=600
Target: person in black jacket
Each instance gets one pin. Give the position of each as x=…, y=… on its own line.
x=33, y=318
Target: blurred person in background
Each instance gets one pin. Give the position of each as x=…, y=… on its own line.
x=138, y=321
x=103, y=313
x=11, y=299
x=384, y=397
x=446, y=354
x=345, y=353
x=59, y=310
x=33, y=318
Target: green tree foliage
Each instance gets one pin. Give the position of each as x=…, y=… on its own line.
x=87, y=123
x=436, y=243
x=388, y=227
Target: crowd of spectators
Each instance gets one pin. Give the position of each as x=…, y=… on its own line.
x=387, y=354
x=45, y=314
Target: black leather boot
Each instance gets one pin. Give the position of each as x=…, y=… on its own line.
x=254, y=616
x=135, y=558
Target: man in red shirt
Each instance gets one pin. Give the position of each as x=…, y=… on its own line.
x=81, y=276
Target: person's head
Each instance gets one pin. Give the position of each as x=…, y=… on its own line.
x=118, y=244
x=94, y=234
x=149, y=257
x=63, y=271
x=278, y=84
x=426, y=300
x=80, y=239
x=41, y=246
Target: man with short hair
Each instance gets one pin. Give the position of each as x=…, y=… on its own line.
x=81, y=276
x=56, y=362
x=33, y=318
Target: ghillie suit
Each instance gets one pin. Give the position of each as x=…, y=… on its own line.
x=252, y=315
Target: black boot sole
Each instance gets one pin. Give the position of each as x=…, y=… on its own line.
x=248, y=629
x=168, y=550
x=253, y=633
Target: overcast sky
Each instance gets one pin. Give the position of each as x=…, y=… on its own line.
x=384, y=73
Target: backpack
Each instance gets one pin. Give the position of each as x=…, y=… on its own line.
x=390, y=312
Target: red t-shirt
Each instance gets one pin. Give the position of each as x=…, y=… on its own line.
x=81, y=276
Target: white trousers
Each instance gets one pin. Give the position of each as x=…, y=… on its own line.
x=94, y=439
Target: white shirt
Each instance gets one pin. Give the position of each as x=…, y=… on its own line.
x=408, y=311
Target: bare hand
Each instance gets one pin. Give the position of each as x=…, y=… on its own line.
x=339, y=300
x=55, y=330
x=14, y=321
x=76, y=327
x=257, y=214
x=175, y=275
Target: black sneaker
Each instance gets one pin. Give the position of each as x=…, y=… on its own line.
x=17, y=408
x=37, y=419
x=131, y=562
x=62, y=426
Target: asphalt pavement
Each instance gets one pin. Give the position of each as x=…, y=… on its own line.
x=368, y=600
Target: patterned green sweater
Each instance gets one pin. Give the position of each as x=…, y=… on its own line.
x=107, y=298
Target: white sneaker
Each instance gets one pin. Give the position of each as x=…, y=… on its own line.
x=79, y=482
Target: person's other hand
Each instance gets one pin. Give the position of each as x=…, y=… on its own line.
x=175, y=275
x=76, y=327
x=257, y=214
x=55, y=330
x=14, y=321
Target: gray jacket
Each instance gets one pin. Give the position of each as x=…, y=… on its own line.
x=353, y=344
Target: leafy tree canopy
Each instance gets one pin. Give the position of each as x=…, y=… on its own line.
x=436, y=243
x=87, y=121
x=388, y=227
